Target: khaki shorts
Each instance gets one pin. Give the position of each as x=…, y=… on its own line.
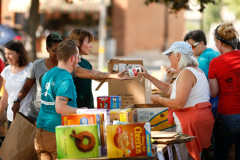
x=45, y=144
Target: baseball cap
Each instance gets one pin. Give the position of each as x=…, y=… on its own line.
x=180, y=47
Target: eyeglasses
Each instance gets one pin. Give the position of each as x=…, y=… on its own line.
x=194, y=45
x=53, y=50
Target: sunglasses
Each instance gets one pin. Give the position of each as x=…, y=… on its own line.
x=194, y=45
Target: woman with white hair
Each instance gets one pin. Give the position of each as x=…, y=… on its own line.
x=188, y=104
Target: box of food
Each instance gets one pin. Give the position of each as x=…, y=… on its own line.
x=123, y=115
x=129, y=140
x=77, y=141
x=156, y=114
x=81, y=119
x=77, y=119
x=109, y=102
x=134, y=91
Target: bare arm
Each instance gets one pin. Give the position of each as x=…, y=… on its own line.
x=184, y=86
x=4, y=99
x=22, y=94
x=164, y=87
x=1, y=81
x=62, y=107
x=97, y=75
x=214, y=87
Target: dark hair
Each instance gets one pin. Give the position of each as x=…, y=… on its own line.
x=66, y=49
x=17, y=46
x=53, y=38
x=79, y=35
x=196, y=35
x=227, y=34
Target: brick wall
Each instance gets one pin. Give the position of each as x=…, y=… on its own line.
x=140, y=27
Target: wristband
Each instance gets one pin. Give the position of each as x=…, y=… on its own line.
x=17, y=100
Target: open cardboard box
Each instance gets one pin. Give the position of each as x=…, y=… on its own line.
x=137, y=90
x=124, y=115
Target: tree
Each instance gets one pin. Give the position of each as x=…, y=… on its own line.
x=33, y=23
x=176, y=5
x=211, y=15
x=233, y=6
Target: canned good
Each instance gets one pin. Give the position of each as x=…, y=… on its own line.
x=134, y=72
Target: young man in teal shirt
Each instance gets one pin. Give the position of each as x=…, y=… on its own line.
x=58, y=97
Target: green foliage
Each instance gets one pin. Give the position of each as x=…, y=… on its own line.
x=211, y=14
x=233, y=6
x=177, y=5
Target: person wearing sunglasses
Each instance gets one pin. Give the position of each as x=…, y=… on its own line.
x=197, y=40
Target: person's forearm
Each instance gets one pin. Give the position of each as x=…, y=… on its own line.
x=66, y=109
x=26, y=88
x=162, y=86
x=3, y=105
x=92, y=74
x=171, y=103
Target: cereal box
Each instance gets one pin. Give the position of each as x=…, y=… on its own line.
x=129, y=140
x=109, y=102
x=77, y=141
x=77, y=119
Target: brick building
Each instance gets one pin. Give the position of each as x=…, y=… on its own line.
x=136, y=26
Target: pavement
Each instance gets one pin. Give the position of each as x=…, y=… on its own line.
x=152, y=61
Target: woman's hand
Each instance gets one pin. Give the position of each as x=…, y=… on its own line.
x=171, y=72
x=15, y=108
x=144, y=73
x=156, y=99
x=122, y=75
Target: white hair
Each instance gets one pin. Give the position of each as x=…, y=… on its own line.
x=186, y=61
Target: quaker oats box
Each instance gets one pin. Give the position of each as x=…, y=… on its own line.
x=109, y=102
x=77, y=141
x=129, y=140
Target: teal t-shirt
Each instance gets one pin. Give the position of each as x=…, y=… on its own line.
x=56, y=82
x=84, y=87
x=205, y=58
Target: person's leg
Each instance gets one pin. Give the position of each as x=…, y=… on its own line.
x=226, y=133
x=45, y=145
x=237, y=146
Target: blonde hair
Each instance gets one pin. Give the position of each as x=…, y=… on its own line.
x=227, y=34
x=227, y=31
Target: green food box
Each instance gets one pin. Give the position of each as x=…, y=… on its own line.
x=77, y=141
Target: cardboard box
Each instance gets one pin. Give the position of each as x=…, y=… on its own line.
x=109, y=102
x=155, y=114
x=124, y=115
x=70, y=146
x=129, y=140
x=136, y=91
